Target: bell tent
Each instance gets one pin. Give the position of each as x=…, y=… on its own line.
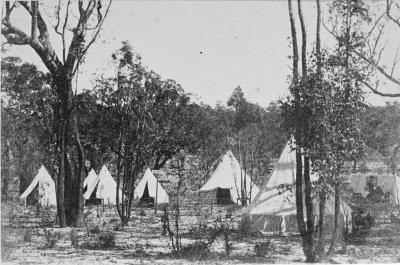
x=150, y=189
x=274, y=207
x=90, y=179
x=46, y=189
x=106, y=187
x=224, y=184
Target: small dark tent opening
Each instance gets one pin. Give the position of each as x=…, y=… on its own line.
x=224, y=196
x=146, y=200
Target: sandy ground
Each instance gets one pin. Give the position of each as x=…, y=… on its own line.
x=142, y=243
x=133, y=248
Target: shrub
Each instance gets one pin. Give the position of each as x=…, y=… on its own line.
x=264, y=248
x=46, y=219
x=28, y=236
x=103, y=240
x=94, y=229
x=118, y=227
x=51, y=238
x=7, y=246
x=74, y=238
x=106, y=239
x=197, y=250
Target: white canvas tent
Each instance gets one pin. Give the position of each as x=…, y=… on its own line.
x=90, y=179
x=388, y=183
x=154, y=187
x=106, y=187
x=46, y=188
x=274, y=207
x=228, y=175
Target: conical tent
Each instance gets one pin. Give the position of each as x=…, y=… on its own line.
x=228, y=175
x=46, y=188
x=151, y=181
x=90, y=179
x=274, y=207
x=106, y=187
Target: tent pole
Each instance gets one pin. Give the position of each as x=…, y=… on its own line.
x=155, y=208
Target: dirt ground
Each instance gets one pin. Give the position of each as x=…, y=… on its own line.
x=142, y=243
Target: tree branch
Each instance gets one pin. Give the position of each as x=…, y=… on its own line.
x=99, y=26
x=34, y=6
x=375, y=91
x=41, y=24
x=375, y=64
x=388, y=7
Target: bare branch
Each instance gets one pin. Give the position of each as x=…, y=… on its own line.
x=375, y=64
x=63, y=30
x=380, y=53
x=375, y=91
x=368, y=60
x=14, y=35
x=379, y=68
x=34, y=6
x=58, y=19
x=374, y=26
x=94, y=36
x=395, y=60
x=377, y=39
x=41, y=24
x=388, y=7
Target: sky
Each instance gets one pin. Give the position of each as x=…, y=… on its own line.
x=209, y=47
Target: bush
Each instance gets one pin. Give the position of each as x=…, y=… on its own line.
x=107, y=239
x=7, y=246
x=103, y=240
x=51, y=238
x=197, y=250
x=74, y=238
x=94, y=229
x=46, y=219
x=28, y=236
x=118, y=227
x=263, y=249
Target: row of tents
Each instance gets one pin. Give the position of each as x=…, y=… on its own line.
x=227, y=177
x=100, y=186
x=272, y=207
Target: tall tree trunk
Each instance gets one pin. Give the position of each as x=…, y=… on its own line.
x=335, y=233
x=70, y=179
x=321, y=226
x=5, y=170
x=311, y=253
x=322, y=196
x=299, y=162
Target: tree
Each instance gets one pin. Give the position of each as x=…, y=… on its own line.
x=247, y=119
x=297, y=121
x=90, y=19
x=381, y=132
x=376, y=35
x=323, y=114
x=145, y=121
x=27, y=120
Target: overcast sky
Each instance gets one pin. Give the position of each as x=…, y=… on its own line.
x=208, y=47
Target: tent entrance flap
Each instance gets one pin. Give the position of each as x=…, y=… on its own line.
x=224, y=196
x=146, y=198
x=33, y=198
x=93, y=200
